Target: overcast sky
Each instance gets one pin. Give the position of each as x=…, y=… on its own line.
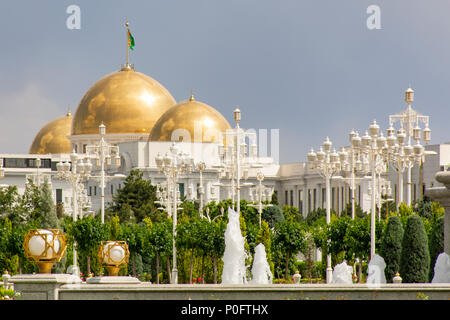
x=310, y=68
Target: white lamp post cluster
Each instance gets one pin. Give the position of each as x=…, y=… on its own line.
x=383, y=190
x=173, y=164
x=75, y=172
x=104, y=155
x=403, y=159
x=260, y=194
x=234, y=158
x=201, y=166
x=351, y=163
x=326, y=163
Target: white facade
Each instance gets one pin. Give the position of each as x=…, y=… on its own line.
x=295, y=184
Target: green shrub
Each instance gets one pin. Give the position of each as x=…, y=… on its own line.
x=391, y=247
x=436, y=243
x=415, y=257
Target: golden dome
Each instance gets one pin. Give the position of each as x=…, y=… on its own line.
x=202, y=123
x=125, y=101
x=52, y=138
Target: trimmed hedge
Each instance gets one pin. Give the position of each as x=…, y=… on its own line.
x=415, y=257
x=391, y=247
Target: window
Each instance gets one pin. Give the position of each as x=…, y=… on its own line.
x=59, y=197
x=314, y=198
x=112, y=189
x=300, y=202
x=95, y=190
x=414, y=194
x=332, y=199
x=90, y=191
x=286, y=197
x=359, y=195
x=181, y=189
x=309, y=200
x=395, y=193
x=292, y=198
x=323, y=197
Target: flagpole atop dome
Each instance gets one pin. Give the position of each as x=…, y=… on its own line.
x=128, y=54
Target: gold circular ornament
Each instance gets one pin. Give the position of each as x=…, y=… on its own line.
x=45, y=247
x=114, y=255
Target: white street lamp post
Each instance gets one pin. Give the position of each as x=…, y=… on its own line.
x=75, y=173
x=172, y=165
x=201, y=166
x=262, y=193
x=409, y=128
x=326, y=163
x=234, y=160
x=351, y=162
x=104, y=155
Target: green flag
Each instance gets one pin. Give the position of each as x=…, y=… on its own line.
x=130, y=40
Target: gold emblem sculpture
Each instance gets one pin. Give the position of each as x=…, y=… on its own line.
x=114, y=255
x=45, y=247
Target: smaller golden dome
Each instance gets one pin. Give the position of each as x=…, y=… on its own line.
x=52, y=138
x=190, y=121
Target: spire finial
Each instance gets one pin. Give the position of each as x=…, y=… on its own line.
x=191, y=98
x=68, y=111
x=128, y=39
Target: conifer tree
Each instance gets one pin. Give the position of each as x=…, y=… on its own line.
x=391, y=247
x=415, y=257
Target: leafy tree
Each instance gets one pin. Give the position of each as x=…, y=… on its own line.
x=274, y=199
x=272, y=215
x=424, y=208
x=357, y=241
x=8, y=199
x=315, y=215
x=136, y=200
x=404, y=210
x=391, y=247
x=47, y=209
x=436, y=243
x=88, y=233
x=292, y=214
x=336, y=235
x=348, y=211
x=133, y=234
x=290, y=238
x=187, y=239
x=264, y=237
x=415, y=257
x=159, y=239
x=387, y=209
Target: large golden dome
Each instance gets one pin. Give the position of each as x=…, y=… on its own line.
x=201, y=121
x=125, y=101
x=52, y=138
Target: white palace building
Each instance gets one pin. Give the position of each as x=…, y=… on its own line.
x=142, y=121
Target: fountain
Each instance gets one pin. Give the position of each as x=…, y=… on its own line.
x=342, y=273
x=442, y=269
x=234, y=269
x=375, y=270
x=261, y=269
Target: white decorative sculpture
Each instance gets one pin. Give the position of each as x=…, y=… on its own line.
x=261, y=269
x=375, y=270
x=234, y=269
x=342, y=273
x=442, y=269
